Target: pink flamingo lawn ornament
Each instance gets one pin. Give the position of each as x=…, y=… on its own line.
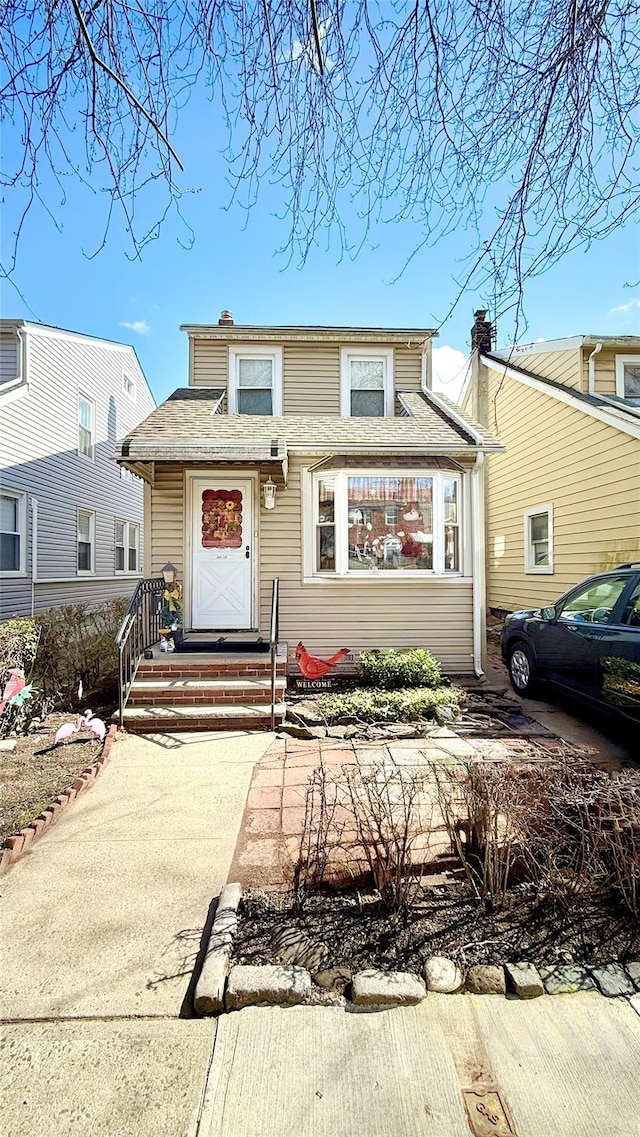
x=14, y=685
x=83, y=722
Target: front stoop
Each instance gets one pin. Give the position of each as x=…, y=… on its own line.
x=204, y=691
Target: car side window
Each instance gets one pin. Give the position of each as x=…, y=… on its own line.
x=594, y=603
x=631, y=614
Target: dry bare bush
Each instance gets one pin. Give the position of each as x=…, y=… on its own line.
x=367, y=820
x=482, y=807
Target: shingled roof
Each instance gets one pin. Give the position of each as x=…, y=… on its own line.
x=189, y=427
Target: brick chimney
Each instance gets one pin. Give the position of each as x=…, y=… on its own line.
x=226, y=319
x=481, y=332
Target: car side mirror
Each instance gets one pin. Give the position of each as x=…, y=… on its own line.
x=548, y=613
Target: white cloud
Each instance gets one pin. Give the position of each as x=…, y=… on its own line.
x=450, y=368
x=309, y=50
x=139, y=326
x=632, y=306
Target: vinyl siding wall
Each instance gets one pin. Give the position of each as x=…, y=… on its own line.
x=311, y=372
x=587, y=469
x=330, y=614
x=563, y=366
x=38, y=455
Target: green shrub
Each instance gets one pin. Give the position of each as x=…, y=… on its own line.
x=374, y=704
x=394, y=669
x=77, y=644
x=18, y=646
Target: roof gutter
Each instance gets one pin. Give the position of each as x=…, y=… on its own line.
x=453, y=416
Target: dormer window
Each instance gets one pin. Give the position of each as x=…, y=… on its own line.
x=366, y=382
x=255, y=380
x=628, y=378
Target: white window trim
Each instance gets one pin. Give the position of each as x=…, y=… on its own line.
x=21, y=499
x=349, y=353
x=81, y=454
x=92, y=534
x=255, y=351
x=128, y=525
x=342, y=572
x=621, y=360
x=128, y=377
x=529, y=567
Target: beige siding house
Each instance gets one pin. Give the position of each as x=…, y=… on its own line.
x=563, y=500
x=319, y=456
x=70, y=524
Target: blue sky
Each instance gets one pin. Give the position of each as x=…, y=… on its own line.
x=233, y=263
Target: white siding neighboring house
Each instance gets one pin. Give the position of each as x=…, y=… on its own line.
x=70, y=522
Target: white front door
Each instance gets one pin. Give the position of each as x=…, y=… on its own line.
x=221, y=553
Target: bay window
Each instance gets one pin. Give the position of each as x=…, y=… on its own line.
x=366, y=522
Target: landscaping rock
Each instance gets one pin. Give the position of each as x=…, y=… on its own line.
x=293, y=946
x=446, y=714
x=634, y=1002
x=351, y=731
x=566, y=980
x=8, y=744
x=633, y=971
x=525, y=980
x=307, y=713
x=271, y=985
x=338, y=731
x=387, y=989
x=333, y=978
x=442, y=974
x=295, y=731
x=400, y=730
x=484, y=979
x=612, y=980
x=209, y=993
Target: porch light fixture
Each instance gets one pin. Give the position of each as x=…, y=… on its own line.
x=169, y=573
x=269, y=494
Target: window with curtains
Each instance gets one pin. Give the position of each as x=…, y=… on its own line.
x=255, y=380
x=367, y=523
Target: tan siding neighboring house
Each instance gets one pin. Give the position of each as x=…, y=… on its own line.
x=570, y=453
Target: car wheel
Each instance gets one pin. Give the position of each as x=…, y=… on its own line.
x=522, y=669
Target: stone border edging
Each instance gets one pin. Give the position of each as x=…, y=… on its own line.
x=223, y=988
x=16, y=844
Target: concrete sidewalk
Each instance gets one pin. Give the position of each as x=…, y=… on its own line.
x=565, y=1066
x=101, y=924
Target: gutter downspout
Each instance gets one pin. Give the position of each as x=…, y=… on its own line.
x=34, y=553
x=592, y=369
x=479, y=572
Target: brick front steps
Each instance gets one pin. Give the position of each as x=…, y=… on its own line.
x=204, y=691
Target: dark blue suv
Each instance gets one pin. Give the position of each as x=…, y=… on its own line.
x=586, y=644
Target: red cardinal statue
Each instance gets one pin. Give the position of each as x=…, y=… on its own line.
x=314, y=668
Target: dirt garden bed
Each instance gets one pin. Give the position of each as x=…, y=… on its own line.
x=33, y=773
x=359, y=933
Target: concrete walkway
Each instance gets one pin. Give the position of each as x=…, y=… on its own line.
x=565, y=1066
x=101, y=924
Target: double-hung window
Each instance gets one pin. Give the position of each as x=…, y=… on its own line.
x=13, y=515
x=86, y=427
x=366, y=383
x=628, y=378
x=127, y=546
x=128, y=385
x=255, y=381
x=86, y=541
x=538, y=539
x=385, y=524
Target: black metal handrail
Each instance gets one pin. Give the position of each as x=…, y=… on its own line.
x=273, y=643
x=139, y=630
